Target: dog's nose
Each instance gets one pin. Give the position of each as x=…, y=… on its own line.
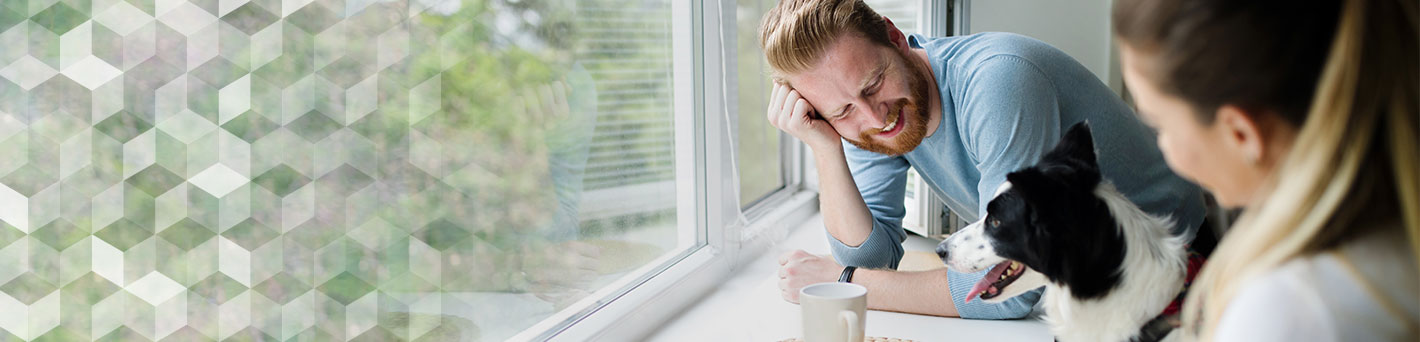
x=942, y=251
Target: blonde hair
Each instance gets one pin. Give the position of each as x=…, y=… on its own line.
x=1356, y=156
x=796, y=32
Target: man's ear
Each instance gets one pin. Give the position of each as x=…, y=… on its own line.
x=895, y=35
x=1241, y=131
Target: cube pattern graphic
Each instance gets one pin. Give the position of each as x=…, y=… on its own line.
x=300, y=170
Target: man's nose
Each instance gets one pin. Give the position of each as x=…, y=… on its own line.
x=873, y=116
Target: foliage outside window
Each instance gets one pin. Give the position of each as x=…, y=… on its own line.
x=327, y=170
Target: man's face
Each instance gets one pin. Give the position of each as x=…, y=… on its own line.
x=871, y=94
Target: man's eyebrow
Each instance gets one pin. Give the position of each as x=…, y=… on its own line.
x=867, y=81
x=872, y=76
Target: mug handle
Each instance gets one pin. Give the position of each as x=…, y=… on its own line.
x=850, y=319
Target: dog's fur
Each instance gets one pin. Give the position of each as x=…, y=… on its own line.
x=1108, y=268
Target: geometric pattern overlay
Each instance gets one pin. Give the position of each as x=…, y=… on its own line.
x=318, y=170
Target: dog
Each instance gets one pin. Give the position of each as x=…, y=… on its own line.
x=1109, y=269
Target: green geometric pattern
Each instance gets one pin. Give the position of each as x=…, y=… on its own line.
x=326, y=170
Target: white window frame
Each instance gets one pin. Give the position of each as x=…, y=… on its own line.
x=636, y=306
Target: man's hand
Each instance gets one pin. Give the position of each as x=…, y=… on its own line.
x=544, y=105
x=561, y=274
x=799, y=268
x=792, y=114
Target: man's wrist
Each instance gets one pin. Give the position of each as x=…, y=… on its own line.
x=828, y=145
x=827, y=153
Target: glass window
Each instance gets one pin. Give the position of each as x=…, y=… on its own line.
x=328, y=170
x=903, y=13
x=758, y=149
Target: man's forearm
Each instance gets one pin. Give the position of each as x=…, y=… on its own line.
x=919, y=292
x=845, y=215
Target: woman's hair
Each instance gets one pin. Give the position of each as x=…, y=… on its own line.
x=795, y=33
x=1351, y=84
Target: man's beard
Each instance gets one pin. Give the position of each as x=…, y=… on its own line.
x=914, y=118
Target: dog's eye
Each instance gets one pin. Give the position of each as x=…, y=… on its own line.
x=995, y=222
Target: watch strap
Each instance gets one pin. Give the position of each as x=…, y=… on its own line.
x=847, y=275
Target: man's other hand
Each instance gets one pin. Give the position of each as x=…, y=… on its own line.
x=799, y=268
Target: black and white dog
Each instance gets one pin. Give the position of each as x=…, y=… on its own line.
x=1108, y=267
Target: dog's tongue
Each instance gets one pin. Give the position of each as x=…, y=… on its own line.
x=985, y=283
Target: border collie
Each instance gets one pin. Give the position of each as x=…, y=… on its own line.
x=1108, y=268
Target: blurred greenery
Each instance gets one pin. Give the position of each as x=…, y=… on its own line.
x=491, y=178
x=483, y=71
x=447, y=153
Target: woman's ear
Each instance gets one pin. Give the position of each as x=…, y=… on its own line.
x=1242, y=132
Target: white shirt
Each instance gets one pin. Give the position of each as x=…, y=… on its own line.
x=1321, y=297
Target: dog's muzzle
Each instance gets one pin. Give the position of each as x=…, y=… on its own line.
x=942, y=251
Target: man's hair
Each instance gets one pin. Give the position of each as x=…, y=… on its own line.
x=795, y=33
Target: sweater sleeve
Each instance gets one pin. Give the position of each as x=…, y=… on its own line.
x=882, y=180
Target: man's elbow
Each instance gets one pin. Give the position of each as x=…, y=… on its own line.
x=882, y=257
x=1014, y=308
x=1020, y=306
x=1015, y=311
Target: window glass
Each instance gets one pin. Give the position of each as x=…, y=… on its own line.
x=758, y=149
x=903, y=13
x=327, y=170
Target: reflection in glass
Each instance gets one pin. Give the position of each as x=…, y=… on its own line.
x=320, y=170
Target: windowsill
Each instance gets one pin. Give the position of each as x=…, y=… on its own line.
x=747, y=306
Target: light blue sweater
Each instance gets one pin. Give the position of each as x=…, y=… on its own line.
x=1006, y=99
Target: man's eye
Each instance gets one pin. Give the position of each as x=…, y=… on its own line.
x=875, y=88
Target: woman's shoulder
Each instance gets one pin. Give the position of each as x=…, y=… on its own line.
x=1281, y=305
x=1362, y=290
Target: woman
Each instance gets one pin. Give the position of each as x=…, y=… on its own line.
x=1305, y=114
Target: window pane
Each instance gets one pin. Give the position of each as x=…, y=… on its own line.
x=761, y=171
x=903, y=13
x=326, y=170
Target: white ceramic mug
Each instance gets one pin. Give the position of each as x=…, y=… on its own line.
x=834, y=312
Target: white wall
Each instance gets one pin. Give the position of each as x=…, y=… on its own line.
x=1081, y=28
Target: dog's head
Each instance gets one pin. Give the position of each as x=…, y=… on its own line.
x=1045, y=225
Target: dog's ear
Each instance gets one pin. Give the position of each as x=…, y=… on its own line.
x=1077, y=145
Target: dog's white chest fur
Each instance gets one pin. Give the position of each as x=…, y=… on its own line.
x=1152, y=274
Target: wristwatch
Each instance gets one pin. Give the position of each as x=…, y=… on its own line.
x=847, y=275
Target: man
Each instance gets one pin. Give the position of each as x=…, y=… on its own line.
x=964, y=111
